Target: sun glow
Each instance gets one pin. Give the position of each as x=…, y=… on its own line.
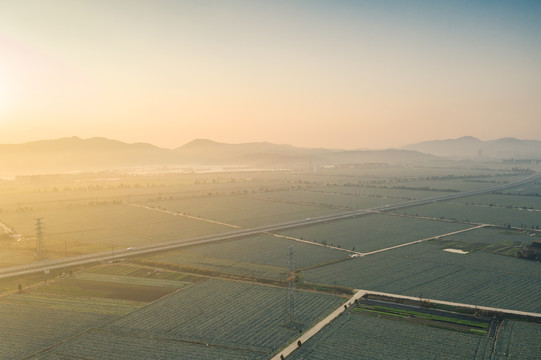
x=4, y=93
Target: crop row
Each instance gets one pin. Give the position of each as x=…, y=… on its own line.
x=478, y=278
x=357, y=336
x=228, y=314
x=501, y=216
x=74, y=303
x=113, y=346
x=241, y=211
x=86, y=229
x=263, y=249
x=26, y=329
x=518, y=340
x=373, y=232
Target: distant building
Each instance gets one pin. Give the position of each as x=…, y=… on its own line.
x=368, y=165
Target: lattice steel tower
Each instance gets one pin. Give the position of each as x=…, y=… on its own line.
x=290, y=318
x=40, y=246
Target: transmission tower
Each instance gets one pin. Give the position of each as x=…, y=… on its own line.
x=40, y=246
x=290, y=316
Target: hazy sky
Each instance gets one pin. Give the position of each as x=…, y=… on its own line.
x=336, y=73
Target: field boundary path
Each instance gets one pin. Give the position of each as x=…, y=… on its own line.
x=459, y=305
x=379, y=250
x=320, y=325
x=184, y=215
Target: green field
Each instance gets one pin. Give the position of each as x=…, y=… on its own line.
x=506, y=201
x=325, y=198
x=241, y=211
x=227, y=299
x=360, y=336
x=373, y=232
x=262, y=256
x=27, y=329
x=87, y=229
x=456, y=209
x=226, y=313
x=385, y=195
x=478, y=278
x=234, y=319
x=518, y=340
x=114, y=346
x=491, y=240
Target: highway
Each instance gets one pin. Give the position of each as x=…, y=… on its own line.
x=237, y=233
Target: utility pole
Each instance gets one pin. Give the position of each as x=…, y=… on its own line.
x=40, y=246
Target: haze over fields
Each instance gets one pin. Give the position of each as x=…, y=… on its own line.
x=255, y=179
x=75, y=154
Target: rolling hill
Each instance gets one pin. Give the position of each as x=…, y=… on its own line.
x=76, y=154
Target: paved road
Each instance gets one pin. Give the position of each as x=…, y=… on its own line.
x=108, y=256
x=320, y=325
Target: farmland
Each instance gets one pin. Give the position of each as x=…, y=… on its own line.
x=242, y=320
x=518, y=340
x=359, y=336
x=492, y=280
x=86, y=229
x=491, y=240
x=27, y=329
x=241, y=211
x=238, y=257
x=372, y=232
x=227, y=299
x=501, y=216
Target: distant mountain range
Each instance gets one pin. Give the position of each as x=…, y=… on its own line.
x=76, y=154
x=472, y=147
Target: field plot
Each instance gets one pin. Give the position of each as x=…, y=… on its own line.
x=530, y=188
x=241, y=211
x=260, y=256
x=348, y=200
x=491, y=240
x=515, y=217
x=425, y=269
x=130, y=270
x=507, y=201
x=491, y=236
x=27, y=329
x=360, y=336
x=373, y=232
x=467, y=184
x=385, y=195
x=114, y=346
x=97, y=305
x=104, y=286
x=519, y=340
x=229, y=314
x=79, y=230
x=182, y=260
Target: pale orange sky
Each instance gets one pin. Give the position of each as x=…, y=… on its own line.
x=343, y=74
